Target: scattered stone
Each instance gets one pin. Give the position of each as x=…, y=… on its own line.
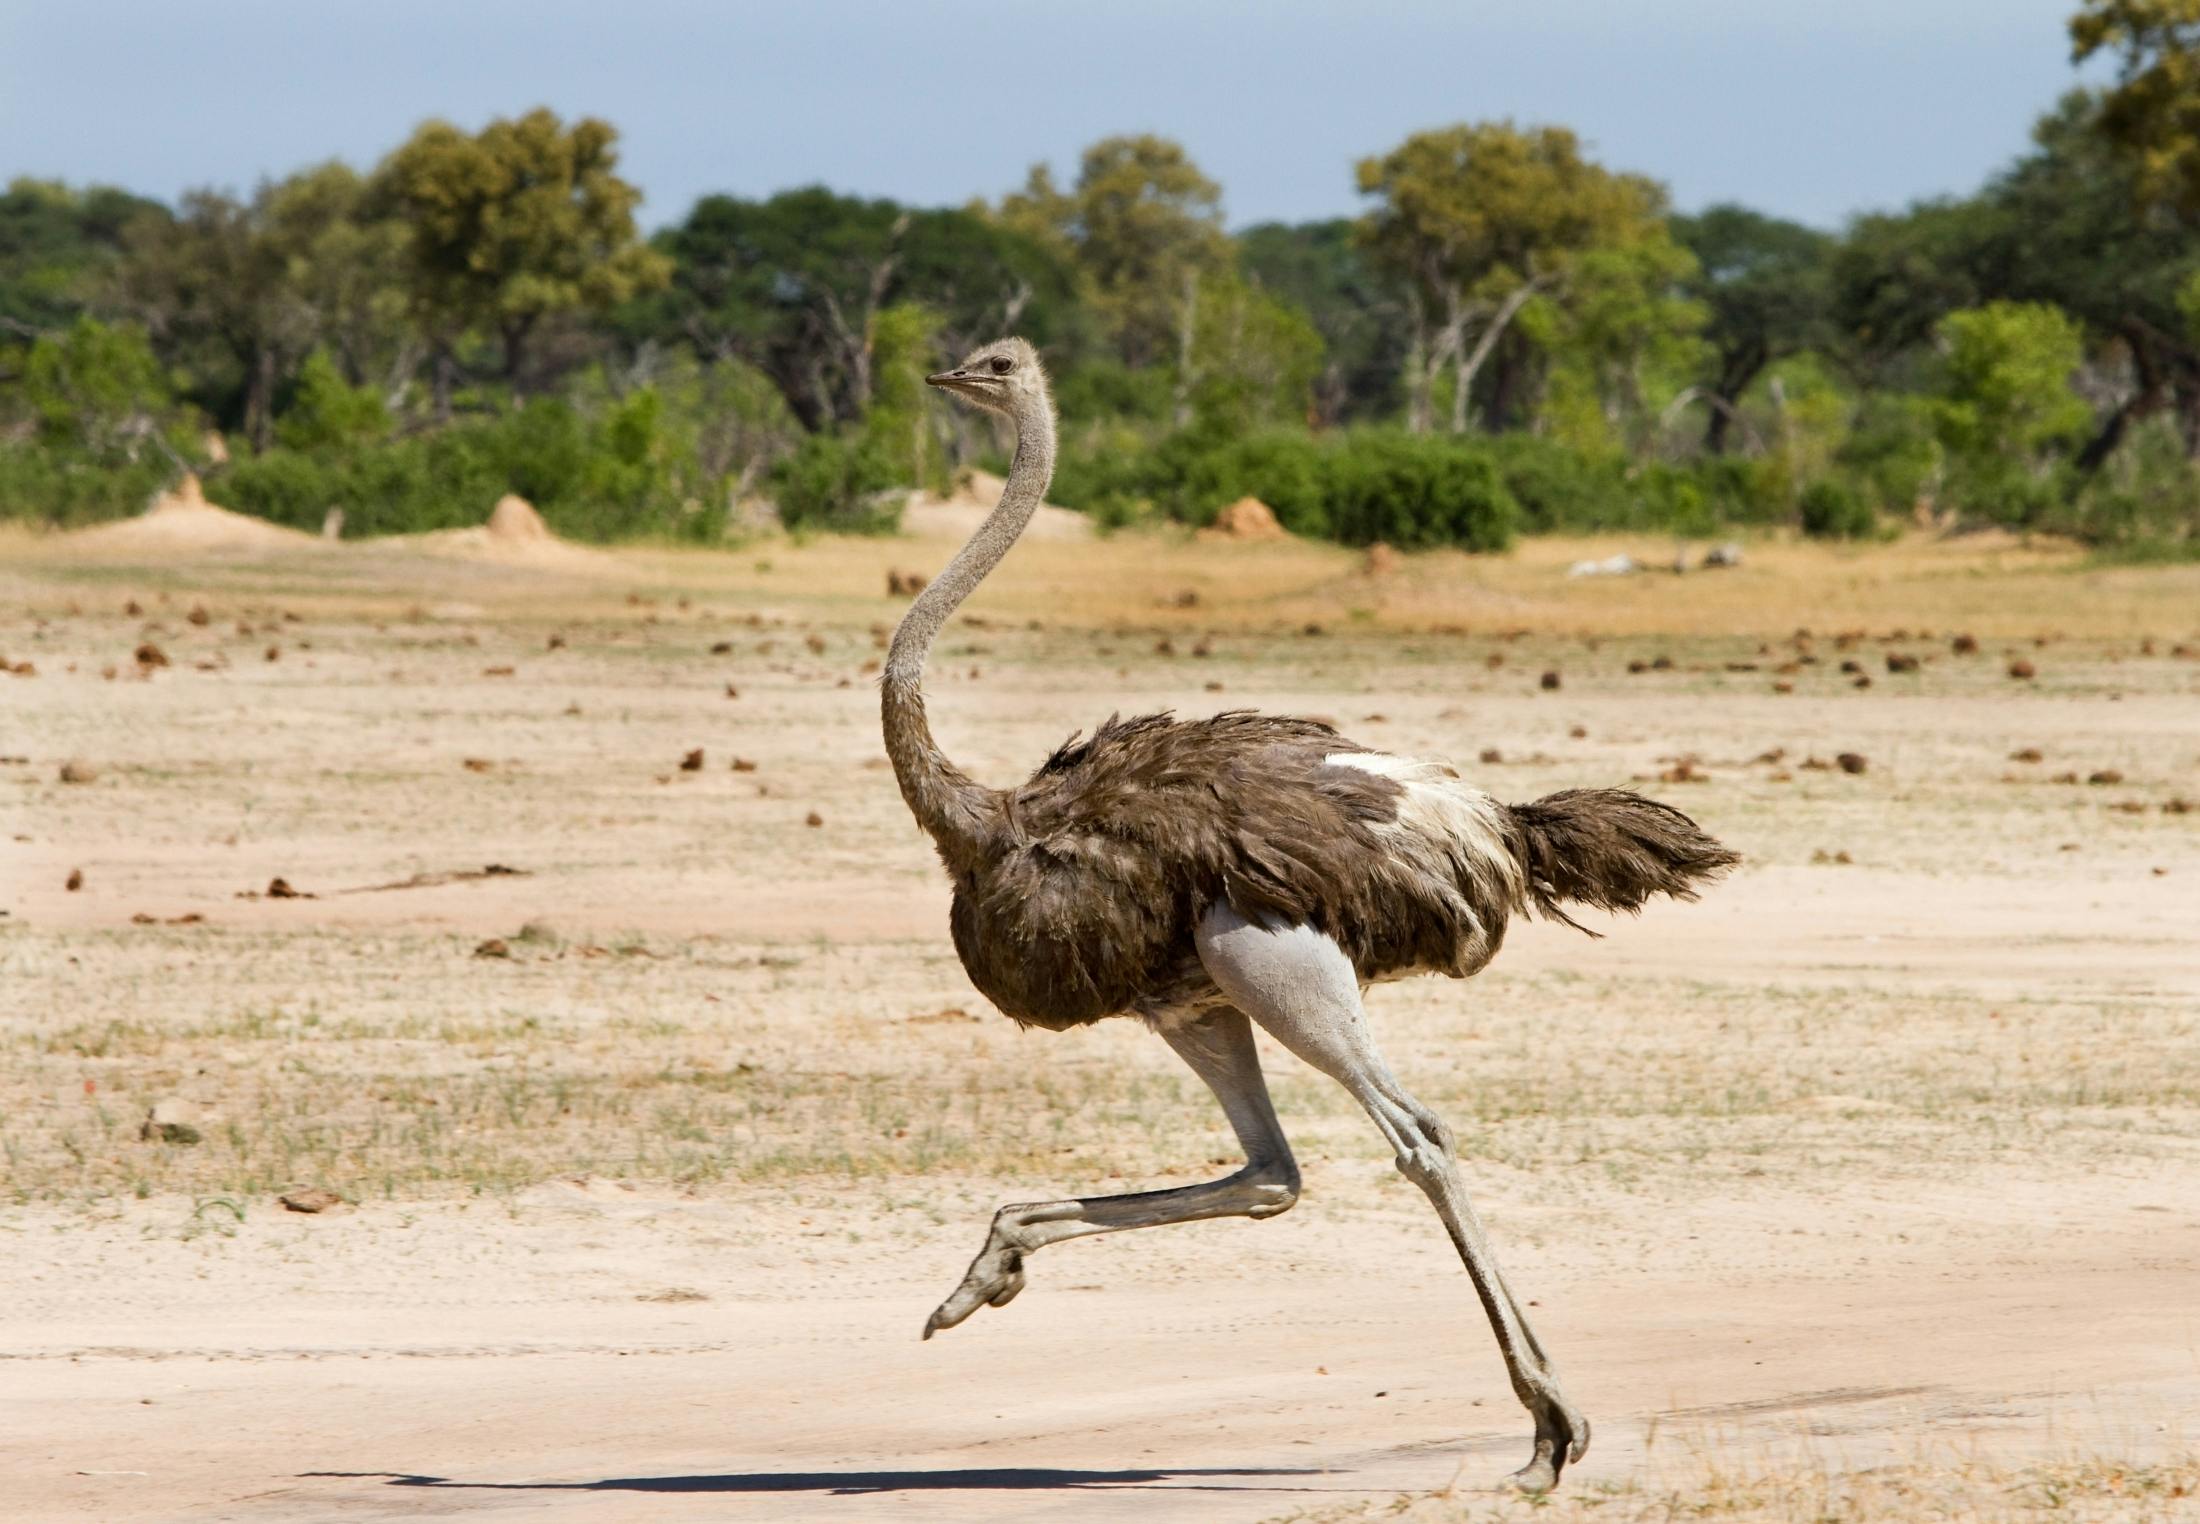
x=2105, y=775
x=198, y=615
x=722, y=648
x=816, y=643
x=1964, y=645
x=1491, y=756
x=1841, y=859
x=2022, y=670
x=1851, y=762
x=693, y=761
x=279, y=889
x=313, y=1199
x=1549, y=681
x=173, y=1120
x=554, y=643
x=2178, y=806
x=494, y=947
x=1901, y=661
x=901, y=584
x=744, y=765
x=150, y=656
x=76, y=771
x=813, y=820
x=2025, y=754
x=478, y=765
x=732, y=692
x=274, y=653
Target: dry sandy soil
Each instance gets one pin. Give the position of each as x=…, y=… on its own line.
x=1864, y=1189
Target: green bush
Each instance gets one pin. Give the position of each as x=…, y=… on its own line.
x=838, y=484
x=1287, y=471
x=1560, y=488
x=328, y=412
x=64, y=490
x=621, y=475
x=1416, y=492
x=1833, y=510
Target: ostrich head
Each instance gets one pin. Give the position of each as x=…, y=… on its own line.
x=999, y=377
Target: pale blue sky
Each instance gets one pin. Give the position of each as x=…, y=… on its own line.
x=1810, y=108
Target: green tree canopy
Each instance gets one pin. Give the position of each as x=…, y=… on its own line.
x=1766, y=287
x=1475, y=220
x=795, y=285
x=2152, y=112
x=525, y=219
x=57, y=247
x=1143, y=223
x=1323, y=269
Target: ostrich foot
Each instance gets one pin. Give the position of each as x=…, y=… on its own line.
x=993, y=1280
x=1561, y=1438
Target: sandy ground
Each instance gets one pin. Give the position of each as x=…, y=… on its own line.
x=1884, y=1162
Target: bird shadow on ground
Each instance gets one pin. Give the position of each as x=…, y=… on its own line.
x=852, y=1483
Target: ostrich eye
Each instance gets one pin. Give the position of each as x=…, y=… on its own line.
x=1002, y=365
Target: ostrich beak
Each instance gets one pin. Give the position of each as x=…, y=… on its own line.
x=967, y=383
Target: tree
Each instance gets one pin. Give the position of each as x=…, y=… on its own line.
x=2004, y=405
x=2152, y=112
x=213, y=286
x=2075, y=230
x=1766, y=287
x=1252, y=359
x=1477, y=219
x=96, y=388
x=1144, y=225
x=525, y=219
x=57, y=247
x=795, y=286
x=1627, y=329
x=345, y=264
x=1322, y=269
x=1897, y=274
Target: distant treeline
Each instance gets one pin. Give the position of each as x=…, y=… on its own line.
x=1512, y=336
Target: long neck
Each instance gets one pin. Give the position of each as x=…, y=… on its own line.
x=954, y=811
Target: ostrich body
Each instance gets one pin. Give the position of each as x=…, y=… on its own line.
x=1217, y=874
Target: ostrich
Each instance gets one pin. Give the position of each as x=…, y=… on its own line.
x=1216, y=874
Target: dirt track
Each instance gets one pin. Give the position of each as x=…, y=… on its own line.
x=1882, y=1160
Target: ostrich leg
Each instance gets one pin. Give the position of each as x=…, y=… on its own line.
x=1220, y=1051
x=1300, y=987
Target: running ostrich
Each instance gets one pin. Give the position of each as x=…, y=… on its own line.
x=1216, y=874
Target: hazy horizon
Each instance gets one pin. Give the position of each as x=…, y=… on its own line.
x=1782, y=107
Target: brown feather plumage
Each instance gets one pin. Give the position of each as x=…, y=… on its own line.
x=1099, y=868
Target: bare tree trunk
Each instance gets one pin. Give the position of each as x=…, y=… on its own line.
x=1187, y=325
x=259, y=399
x=1419, y=373
x=445, y=379
x=1470, y=363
